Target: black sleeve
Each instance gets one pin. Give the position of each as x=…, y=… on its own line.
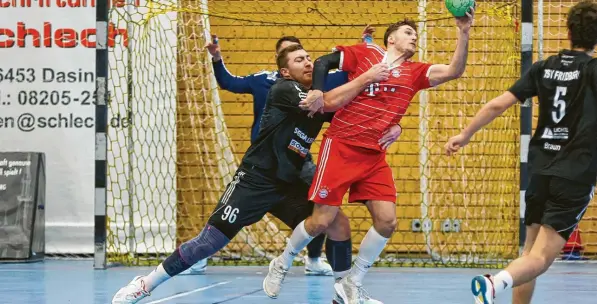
x=287, y=95
x=321, y=68
x=526, y=86
x=328, y=116
x=593, y=74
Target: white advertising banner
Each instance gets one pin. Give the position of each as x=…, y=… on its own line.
x=47, y=82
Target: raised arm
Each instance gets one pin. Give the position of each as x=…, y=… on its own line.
x=227, y=81
x=441, y=73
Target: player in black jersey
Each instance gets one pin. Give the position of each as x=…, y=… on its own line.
x=274, y=176
x=562, y=154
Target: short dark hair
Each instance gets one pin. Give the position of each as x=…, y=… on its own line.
x=395, y=26
x=282, y=59
x=286, y=38
x=582, y=24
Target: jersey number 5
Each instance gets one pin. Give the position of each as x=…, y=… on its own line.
x=559, y=105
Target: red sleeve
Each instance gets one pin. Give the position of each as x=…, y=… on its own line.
x=349, y=58
x=420, y=72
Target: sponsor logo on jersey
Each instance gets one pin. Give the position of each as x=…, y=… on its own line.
x=555, y=133
x=552, y=147
x=298, y=148
x=303, y=136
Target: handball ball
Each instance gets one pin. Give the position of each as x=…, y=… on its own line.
x=459, y=8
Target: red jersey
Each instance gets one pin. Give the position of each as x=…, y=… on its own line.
x=381, y=105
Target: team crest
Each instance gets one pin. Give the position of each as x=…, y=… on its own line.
x=396, y=73
x=324, y=192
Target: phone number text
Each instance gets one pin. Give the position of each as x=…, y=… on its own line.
x=54, y=98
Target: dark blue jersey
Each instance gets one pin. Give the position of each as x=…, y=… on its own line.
x=258, y=85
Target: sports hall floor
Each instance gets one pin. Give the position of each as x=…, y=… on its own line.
x=64, y=282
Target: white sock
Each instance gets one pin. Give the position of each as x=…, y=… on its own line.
x=340, y=274
x=370, y=248
x=155, y=278
x=298, y=240
x=502, y=281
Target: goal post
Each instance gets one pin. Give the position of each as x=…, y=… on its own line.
x=101, y=89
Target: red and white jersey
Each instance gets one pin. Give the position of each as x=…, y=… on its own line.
x=381, y=105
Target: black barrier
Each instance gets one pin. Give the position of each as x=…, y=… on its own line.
x=22, y=206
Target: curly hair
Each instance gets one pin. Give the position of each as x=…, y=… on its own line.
x=395, y=26
x=582, y=24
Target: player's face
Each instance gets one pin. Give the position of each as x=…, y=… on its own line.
x=404, y=40
x=300, y=67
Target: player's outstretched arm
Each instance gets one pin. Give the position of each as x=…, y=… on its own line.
x=227, y=81
x=487, y=114
x=340, y=96
x=441, y=73
x=337, y=98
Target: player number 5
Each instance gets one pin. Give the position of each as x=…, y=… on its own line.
x=560, y=105
x=230, y=214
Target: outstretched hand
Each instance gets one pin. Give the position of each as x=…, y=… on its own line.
x=465, y=23
x=455, y=143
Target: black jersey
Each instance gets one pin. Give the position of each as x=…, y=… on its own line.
x=286, y=132
x=565, y=140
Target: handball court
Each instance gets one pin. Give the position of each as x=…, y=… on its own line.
x=63, y=282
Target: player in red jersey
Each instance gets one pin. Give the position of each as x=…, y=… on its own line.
x=352, y=154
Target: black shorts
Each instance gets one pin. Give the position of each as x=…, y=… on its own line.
x=556, y=202
x=253, y=193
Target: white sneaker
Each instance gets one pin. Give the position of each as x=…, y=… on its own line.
x=131, y=293
x=317, y=267
x=197, y=269
x=368, y=300
x=274, y=279
x=352, y=293
x=483, y=289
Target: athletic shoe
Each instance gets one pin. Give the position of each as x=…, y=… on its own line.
x=483, y=290
x=274, y=279
x=317, y=267
x=132, y=293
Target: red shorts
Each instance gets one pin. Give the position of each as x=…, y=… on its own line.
x=341, y=167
